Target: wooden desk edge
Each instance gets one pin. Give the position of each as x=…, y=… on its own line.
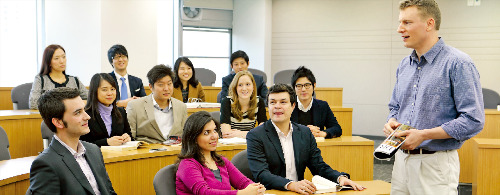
x=486, y=142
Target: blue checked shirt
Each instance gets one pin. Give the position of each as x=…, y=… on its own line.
x=443, y=90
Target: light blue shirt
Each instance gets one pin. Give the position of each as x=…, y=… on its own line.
x=443, y=89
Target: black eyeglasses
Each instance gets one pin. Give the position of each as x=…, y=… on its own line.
x=307, y=86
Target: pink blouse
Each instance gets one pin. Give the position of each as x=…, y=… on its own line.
x=194, y=178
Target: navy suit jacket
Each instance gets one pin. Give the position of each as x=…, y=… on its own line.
x=267, y=163
x=322, y=117
x=98, y=134
x=136, y=86
x=55, y=171
x=259, y=81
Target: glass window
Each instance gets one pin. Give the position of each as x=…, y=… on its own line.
x=18, y=35
x=208, y=48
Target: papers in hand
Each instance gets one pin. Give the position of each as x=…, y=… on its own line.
x=131, y=145
x=324, y=185
x=202, y=105
x=234, y=140
x=391, y=144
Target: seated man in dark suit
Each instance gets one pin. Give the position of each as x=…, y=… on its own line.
x=239, y=61
x=68, y=165
x=118, y=58
x=311, y=112
x=279, y=150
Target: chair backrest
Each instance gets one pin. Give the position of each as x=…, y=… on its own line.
x=46, y=135
x=20, y=96
x=284, y=76
x=205, y=76
x=216, y=115
x=240, y=161
x=164, y=181
x=4, y=145
x=259, y=72
x=491, y=99
x=256, y=72
x=219, y=98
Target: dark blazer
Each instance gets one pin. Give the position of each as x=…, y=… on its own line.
x=322, y=117
x=55, y=171
x=136, y=86
x=266, y=161
x=98, y=134
x=259, y=81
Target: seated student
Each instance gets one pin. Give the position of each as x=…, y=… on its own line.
x=311, y=112
x=53, y=75
x=184, y=78
x=200, y=170
x=68, y=165
x=280, y=150
x=156, y=117
x=239, y=61
x=242, y=109
x=118, y=58
x=108, y=123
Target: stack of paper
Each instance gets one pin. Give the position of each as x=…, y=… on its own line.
x=202, y=105
x=234, y=140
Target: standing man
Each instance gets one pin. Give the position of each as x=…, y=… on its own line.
x=240, y=61
x=68, y=165
x=279, y=150
x=158, y=116
x=438, y=92
x=129, y=87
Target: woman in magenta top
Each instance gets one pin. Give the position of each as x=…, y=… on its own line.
x=200, y=169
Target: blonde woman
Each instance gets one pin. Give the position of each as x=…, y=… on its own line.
x=242, y=109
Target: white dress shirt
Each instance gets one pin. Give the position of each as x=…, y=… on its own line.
x=301, y=106
x=84, y=165
x=164, y=117
x=119, y=82
x=287, y=147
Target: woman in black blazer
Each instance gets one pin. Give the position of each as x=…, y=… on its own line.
x=108, y=123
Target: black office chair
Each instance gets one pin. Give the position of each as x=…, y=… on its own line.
x=240, y=161
x=164, y=181
x=205, y=76
x=20, y=96
x=4, y=145
x=491, y=99
x=47, y=135
x=284, y=76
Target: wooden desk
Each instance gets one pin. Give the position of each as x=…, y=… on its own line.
x=5, y=100
x=465, y=153
x=486, y=169
x=23, y=130
x=372, y=187
x=14, y=175
x=132, y=172
x=343, y=115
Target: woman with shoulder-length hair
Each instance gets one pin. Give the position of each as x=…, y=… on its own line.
x=200, y=170
x=242, y=110
x=186, y=86
x=108, y=123
x=53, y=75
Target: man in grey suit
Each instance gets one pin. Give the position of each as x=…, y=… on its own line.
x=158, y=116
x=68, y=165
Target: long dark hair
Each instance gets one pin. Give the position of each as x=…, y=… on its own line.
x=192, y=129
x=177, y=82
x=47, y=59
x=92, y=100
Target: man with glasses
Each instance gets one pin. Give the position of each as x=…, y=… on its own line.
x=130, y=87
x=311, y=112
